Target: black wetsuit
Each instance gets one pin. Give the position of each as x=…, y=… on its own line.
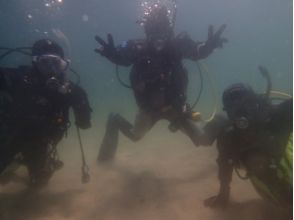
x=159, y=82
x=259, y=150
x=34, y=118
x=158, y=77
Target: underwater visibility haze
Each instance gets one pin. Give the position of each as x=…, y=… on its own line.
x=162, y=176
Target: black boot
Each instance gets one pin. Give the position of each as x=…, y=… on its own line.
x=109, y=144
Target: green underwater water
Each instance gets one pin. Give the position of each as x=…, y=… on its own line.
x=259, y=33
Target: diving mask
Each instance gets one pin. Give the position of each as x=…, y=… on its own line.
x=51, y=65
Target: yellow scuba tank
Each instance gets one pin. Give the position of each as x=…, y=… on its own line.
x=284, y=175
x=285, y=168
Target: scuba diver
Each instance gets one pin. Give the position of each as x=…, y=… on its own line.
x=34, y=111
x=158, y=78
x=255, y=134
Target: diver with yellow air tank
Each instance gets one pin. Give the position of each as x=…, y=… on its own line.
x=255, y=134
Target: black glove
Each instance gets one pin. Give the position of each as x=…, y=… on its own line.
x=219, y=201
x=186, y=109
x=185, y=112
x=214, y=40
x=107, y=49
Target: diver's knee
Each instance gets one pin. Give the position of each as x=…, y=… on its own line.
x=112, y=116
x=136, y=138
x=113, y=119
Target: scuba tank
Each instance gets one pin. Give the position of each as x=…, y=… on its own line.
x=280, y=191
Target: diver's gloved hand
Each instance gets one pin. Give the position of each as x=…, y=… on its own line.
x=186, y=109
x=189, y=113
x=107, y=49
x=214, y=40
x=219, y=201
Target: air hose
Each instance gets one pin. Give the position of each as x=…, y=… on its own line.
x=120, y=80
x=269, y=92
x=281, y=94
x=201, y=86
x=12, y=50
x=213, y=88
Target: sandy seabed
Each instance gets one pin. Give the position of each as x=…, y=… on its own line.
x=162, y=177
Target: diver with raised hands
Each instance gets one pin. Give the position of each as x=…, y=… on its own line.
x=254, y=134
x=34, y=111
x=158, y=78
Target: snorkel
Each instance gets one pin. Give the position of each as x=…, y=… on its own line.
x=264, y=72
